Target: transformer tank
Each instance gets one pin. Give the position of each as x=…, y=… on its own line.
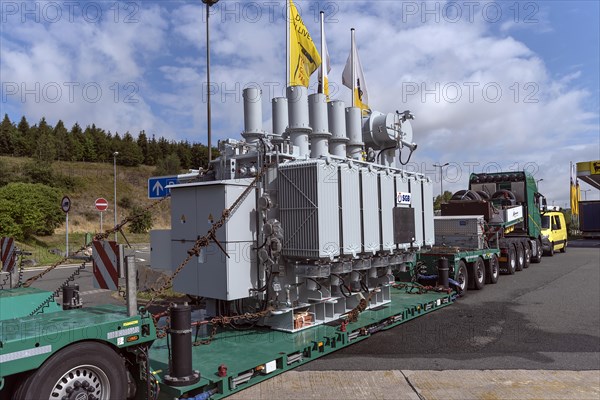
x=332, y=216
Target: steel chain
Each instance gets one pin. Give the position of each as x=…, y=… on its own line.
x=204, y=241
x=223, y=321
x=360, y=307
x=98, y=236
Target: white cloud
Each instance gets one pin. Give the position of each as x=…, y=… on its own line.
x=541, y=118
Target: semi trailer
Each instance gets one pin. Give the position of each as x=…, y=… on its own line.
x=589, y=218
x=491, y=228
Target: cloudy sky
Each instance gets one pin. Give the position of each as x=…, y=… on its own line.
x=494, y=85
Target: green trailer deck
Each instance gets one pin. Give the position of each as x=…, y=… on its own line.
x=29, y=342
x=245, y=353
x=26, y=342
x=470, y=268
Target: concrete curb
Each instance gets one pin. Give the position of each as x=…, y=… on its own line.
x=428, y=385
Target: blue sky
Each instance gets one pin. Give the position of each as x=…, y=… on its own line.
x=506, y=85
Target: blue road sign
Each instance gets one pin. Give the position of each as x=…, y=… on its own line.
x=157, y=186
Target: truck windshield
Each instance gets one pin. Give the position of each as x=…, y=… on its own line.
x=545, y=222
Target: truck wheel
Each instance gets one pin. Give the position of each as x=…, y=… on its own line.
x=564, y=248
x=537, y=256
x=511, y=262
x=551, y=251
x=84, y=370
x=520, y=256
x=527, y=253
x=462, y=276
x=477, y=274
x=492, y=269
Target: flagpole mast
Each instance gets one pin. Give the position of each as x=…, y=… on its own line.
x=287, y=43
x=323, y=56
x=352, y=66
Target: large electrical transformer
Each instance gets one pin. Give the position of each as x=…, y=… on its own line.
x=331, y=219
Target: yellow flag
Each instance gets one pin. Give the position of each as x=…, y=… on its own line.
x=304, y=56
x=577, y=196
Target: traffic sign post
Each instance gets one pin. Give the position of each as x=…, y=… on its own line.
x=157, y=186
x=101, y=205
x=65, y=205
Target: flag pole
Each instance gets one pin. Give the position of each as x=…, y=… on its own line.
x=287, y=43
x=323, y=56
x=352, y=66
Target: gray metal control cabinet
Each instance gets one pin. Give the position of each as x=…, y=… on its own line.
x=214, y=274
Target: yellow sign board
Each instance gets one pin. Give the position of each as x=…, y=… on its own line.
x=592, y=167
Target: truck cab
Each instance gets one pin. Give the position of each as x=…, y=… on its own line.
x=554, y=232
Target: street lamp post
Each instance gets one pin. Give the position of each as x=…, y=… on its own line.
x=441, y=166
x=209, y=3
x=115, y=154
x=585, y=193
x=537, y=182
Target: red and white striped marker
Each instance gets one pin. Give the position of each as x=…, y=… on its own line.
x=7, y=254
x=105, y=261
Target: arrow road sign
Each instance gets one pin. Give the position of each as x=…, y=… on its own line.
x=157, y=186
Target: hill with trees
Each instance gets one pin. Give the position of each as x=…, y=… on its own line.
x=40, y=163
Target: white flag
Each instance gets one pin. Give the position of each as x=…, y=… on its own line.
x=326, y=62
x=357, y=83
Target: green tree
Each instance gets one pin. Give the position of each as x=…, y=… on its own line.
x=38, y=172
x=29, y=209
x=169, y=165
x=437, y=203
x=199, y=155
x=61, y=137
x=130, y=154
x=142, y=220
x=5, y=173
x=20, y=144
x=154, y=154
x=75, y=143
x=89, y=146
x=142, y=142
x=184, y=153
x=46, y=148
x=7, y=136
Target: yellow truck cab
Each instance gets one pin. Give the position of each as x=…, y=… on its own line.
x=554, y=232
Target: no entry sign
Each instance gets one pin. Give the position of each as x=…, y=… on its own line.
x=101, y=204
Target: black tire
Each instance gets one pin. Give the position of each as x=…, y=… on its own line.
x=520, y=256
x=92, y=364
x=527, y=252
x=462, y=277
x=511, y=263
x=551, y=251
x=477, y=274
x=564, y=248
x=537, y=257
x=492, y=269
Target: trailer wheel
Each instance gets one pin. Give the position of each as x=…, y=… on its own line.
x=462, y=276
x=511, y=262
x=492, y=269
x=527, y=253
x=477, y=274
x=537, y=256
x=85, y=370
x=520, y=256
